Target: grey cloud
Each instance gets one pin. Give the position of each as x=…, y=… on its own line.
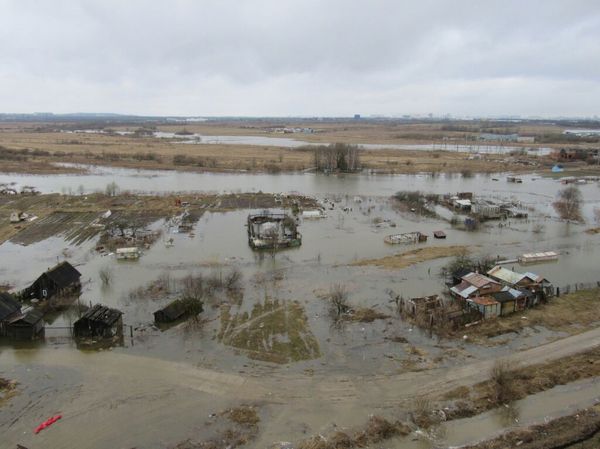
x=274, y=57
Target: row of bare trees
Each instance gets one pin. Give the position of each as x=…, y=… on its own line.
x=337, y=157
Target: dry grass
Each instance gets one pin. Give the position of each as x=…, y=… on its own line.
x=365, y=315
x=376, y=430
x=8, y=389
x=155, y=153
x=412, y=257
x=508, y=383
x=244, y=416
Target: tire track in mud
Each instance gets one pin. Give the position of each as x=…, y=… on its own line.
x=281, y=387
x=130, y=393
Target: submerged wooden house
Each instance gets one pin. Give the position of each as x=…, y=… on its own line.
x=61, y=279
x=26, y=326
x=171, y=312
x=99, y=321
x=10, y=308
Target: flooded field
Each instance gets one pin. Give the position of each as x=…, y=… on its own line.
x=275, y=332
x=287, y=142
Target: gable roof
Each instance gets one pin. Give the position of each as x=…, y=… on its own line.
x=503, y=296
x=478, y=280
x=513, y=277
x=102, y=314
x=173, y=310
x=63, y=274
x=464, y=289
x=28, y=318
x=8, y=305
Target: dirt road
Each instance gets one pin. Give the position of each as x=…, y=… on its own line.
x=113, y=399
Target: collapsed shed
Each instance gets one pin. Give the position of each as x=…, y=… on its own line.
x=99, y=321
x=425, y=304
x=60, y=279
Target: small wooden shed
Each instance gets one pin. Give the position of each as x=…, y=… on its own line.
x=173, y=311
x=99, y=321
x=486, y=305
x=508, y=303
x=10, y=308
x=26, y=326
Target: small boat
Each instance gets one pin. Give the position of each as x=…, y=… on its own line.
x=439, y=234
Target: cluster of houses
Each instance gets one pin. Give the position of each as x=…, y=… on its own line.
x=22, y=314
x=463, y=202
x=25, y=322
x=500, y=292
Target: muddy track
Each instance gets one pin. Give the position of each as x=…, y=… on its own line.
x=118, y=392
x=281, y=387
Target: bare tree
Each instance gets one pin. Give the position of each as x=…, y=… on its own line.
x=337, y=157
x=112, y=189
x=271, y=236
x=503, y=382
x=105, y=275
x=338, y=297
x=568, y=204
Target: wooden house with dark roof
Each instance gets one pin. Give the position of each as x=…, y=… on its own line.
x=61, y=279
x=99, y=321
x=26, y=326
x=10, y=308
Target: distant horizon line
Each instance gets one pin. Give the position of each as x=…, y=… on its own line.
x=507, y=117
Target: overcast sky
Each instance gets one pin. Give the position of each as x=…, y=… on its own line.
x=301, y=57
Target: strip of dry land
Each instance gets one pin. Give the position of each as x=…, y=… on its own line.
x=412, y=257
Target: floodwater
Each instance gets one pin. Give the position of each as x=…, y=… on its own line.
x=539, y=408
x=288, y=142
x=219, y=242
x=535, y=189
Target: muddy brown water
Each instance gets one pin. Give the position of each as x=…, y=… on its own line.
x=219, y=243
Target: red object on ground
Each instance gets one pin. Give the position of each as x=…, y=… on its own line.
x=47, y=423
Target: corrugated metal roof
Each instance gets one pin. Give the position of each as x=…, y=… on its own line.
x=478, y=280
x=508, y=276
x=463, y=289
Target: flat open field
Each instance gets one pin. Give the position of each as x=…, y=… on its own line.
x=41, y=144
